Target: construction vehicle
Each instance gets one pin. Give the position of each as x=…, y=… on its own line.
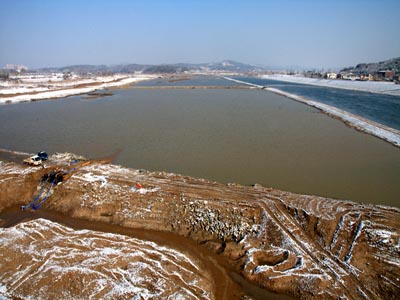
x=36, y=160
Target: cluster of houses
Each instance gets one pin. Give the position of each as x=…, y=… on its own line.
x=384, y=75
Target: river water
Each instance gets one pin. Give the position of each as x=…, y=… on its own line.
x=245, y=136
x=380, y=108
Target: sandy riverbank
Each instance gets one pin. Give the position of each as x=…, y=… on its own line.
x=379, y=87
x=304, y=246
x=39, y=87
x=386, y=133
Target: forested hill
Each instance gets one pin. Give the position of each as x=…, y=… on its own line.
x=373, y=68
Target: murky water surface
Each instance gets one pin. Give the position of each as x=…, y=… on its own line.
x=227, y=135
x=380, y=108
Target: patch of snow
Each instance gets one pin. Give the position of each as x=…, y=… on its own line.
x=244, y=82
x=379, y=87
x=3, y=293
x=384, y=234
x=89, y=177
x=12, y=168
x=66, y=89
x=393, y=262
x=110, y=266
x=144, y=191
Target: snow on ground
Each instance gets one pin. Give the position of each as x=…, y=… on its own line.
x=144, y=191
x=388, y=134
x=89, y=177
x=379, y=87
x=28, y=89
x=16, y=169
x=45, y=260
x=38, y=83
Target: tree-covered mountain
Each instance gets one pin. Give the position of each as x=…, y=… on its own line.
x=373, y=68
x=229, y=65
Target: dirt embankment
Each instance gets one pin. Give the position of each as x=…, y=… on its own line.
x=303, y=246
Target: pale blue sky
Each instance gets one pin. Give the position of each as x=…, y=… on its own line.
x=315, y=33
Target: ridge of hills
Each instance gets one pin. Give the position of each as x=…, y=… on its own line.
x=226, y=65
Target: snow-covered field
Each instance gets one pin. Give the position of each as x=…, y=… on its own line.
x=388, y=134
x=379, y=87
x=38, y=87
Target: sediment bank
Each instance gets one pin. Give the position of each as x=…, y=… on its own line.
x=304, y=246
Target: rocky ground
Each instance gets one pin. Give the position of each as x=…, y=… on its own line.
x=306, y=247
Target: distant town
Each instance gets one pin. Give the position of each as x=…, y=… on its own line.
x=384, y=75
x=357, y=73
x=388, y=70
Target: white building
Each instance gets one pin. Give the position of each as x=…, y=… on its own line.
x=331, y=76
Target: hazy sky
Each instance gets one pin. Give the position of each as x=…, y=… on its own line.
x=315, y=33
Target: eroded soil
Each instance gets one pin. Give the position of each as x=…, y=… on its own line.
x=306, y=247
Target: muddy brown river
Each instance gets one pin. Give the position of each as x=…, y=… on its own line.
x=227, y=135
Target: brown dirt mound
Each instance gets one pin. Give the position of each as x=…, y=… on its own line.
x=304, y=246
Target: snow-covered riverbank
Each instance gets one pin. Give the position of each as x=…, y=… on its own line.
x=386, y=133
x=31, y=88
x=379, y=87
